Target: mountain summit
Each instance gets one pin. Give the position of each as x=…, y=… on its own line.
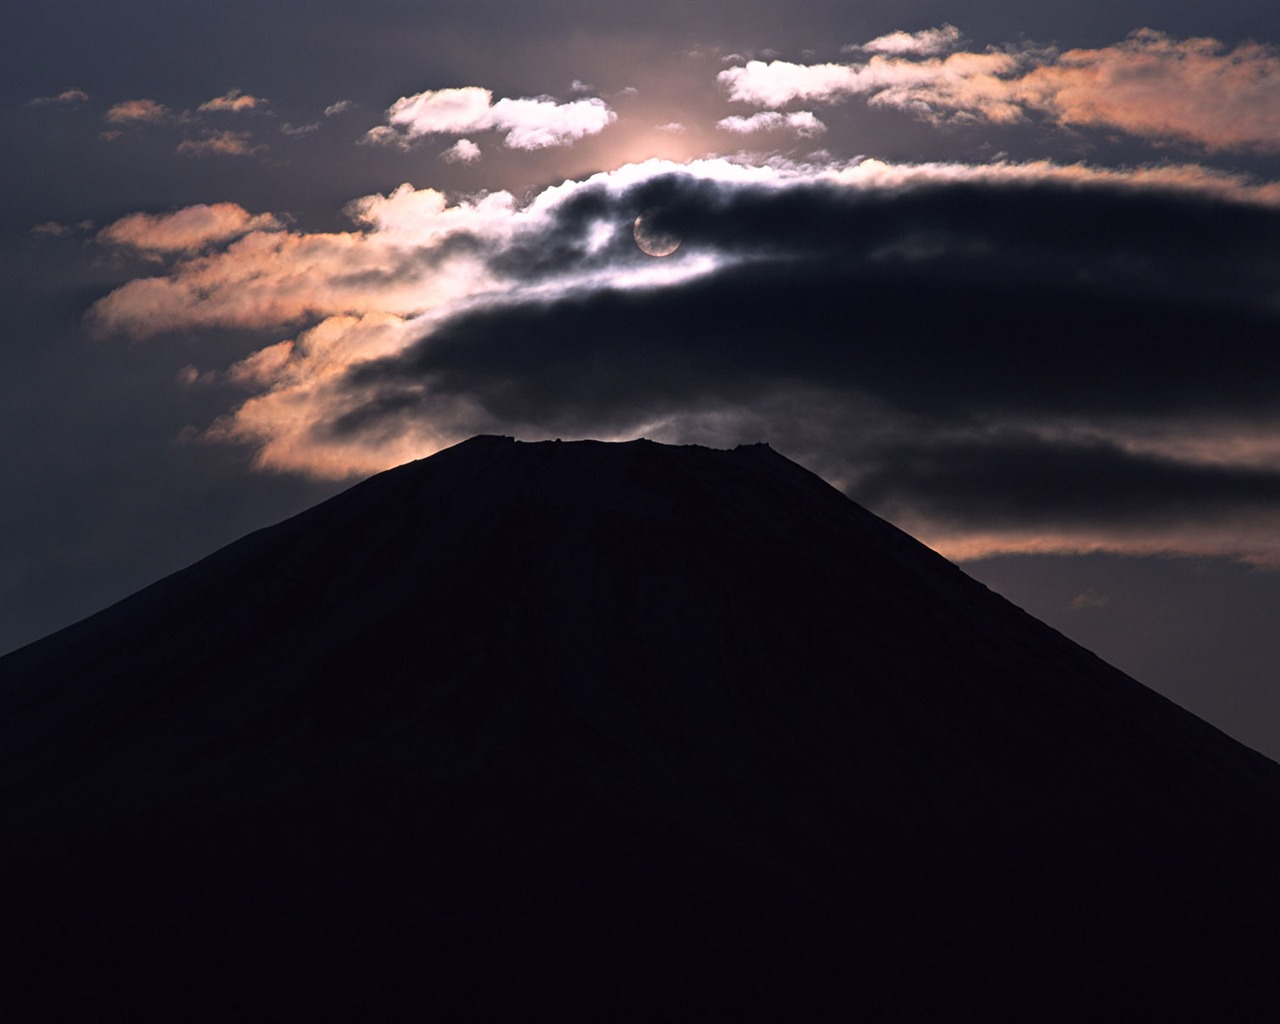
x=615, y=732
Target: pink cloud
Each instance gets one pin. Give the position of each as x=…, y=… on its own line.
x=233, y=101
x=52, y=229
x=1150, y=85
x=186, y=230
x=1155, y=86
x=69, y=95
x=131, y=111
x=220, y=143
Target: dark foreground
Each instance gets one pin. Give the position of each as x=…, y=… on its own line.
x=608, y=733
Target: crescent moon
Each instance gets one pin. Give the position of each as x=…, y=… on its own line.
x=654, y=241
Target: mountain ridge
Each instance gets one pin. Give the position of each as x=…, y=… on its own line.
x=590, y=696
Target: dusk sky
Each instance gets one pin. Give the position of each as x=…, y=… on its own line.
x=1006, y=273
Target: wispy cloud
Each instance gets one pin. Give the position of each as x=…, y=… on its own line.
x=536, y=123
x=233, y=101
x=1150, y=85
x=52, y=229
x=927, y=43
x=69, y=95
x=801, y=122
x=341, y=107
x=186, y=230
x=137, y=111
x=225, y=143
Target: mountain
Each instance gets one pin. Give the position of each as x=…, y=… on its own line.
x=613, y=732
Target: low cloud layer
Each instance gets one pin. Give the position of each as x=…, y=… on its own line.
x=1000, y=357
x=1150, y=85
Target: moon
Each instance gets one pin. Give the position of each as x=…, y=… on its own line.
x=654, y=241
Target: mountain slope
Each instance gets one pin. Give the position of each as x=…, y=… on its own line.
x=627, y=729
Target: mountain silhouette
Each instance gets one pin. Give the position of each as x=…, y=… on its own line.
x=613, y=732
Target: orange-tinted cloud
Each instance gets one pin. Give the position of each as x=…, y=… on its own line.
x=137, y=111
x=186, y=230
x=1150, y=85
x=69, y=95
x=222, y=144
x=233, y=101
x=1155, y=86
x=266, y=277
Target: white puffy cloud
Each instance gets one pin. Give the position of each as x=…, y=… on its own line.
x=535, y=123
x=975, y=83
x=463, y=151
x=802, y=122
x=927, y=43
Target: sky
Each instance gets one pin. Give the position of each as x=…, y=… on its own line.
x=1005, y=273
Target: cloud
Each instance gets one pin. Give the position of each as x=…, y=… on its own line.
x=1022, y=357
x=233, y=101
x=409, y=251
x=186, y=230
x=1155, y=86
x=672, y=128
x=926, y=43
x=463, y=151
x=220, y=143
x=294, y=130
x=528, y=123
x=52, y=229
x=69, y=95
x=1150, y=85
x=802, y=122
x=341, y=107
x=1089, y=600
x=137, y=111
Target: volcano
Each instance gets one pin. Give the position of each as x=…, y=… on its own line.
x=614, y=732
